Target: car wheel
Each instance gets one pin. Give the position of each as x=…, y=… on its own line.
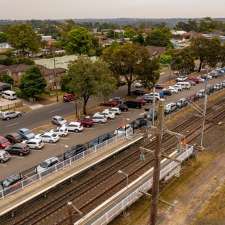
x=76, y=131
x=7, y=118
x=51, y=141
x=20, y=154
x=1, y=161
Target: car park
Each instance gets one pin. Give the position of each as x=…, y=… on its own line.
x=4, y=156
x=75, y=127
x=26, y=133
x=171, y=107
x=4, y=142
x=86, y=122
x=14, y=138
x=10, y=181
x=35, y=143
x=58, y=120
x=20, y=149
x=67, y=97
x=60, y=131
x=75, y=150
x=7, y=115
x=115, y=110
x=10, y=95
x=123, y=107
x=97, y=118
x=48, y=163
x=182, y=103
x=48, y=137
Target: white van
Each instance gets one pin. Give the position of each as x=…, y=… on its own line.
x=184, y=85
x=10, y=95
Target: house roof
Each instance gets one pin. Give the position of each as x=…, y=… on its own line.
x=155, y=51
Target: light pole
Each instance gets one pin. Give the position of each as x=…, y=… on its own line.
x=126, y=176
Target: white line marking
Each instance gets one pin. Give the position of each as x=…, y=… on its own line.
x=13, y=124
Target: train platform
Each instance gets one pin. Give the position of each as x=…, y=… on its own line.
x=13, y=201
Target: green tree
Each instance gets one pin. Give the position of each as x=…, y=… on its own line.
x=206, y=51
x=183, y=61
x=86, y=78
x=6, y=79
x=165, y=59
x=32, y=83
x=125, y=60
x=129, y=32
x=3, y=37
x=159, y=37
x=23, y=38
x=222, y=55
x=138, y=39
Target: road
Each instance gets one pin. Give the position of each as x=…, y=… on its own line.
x=17, y=164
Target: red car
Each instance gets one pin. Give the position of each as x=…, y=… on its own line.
x=111, y=103
x=141, y=100
x=86, y=122
x=4, y=143
x=68, y=97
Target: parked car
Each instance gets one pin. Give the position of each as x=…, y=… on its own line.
x=7, y=115
x=58, y=120
x=48, y=163
x=4, y=156
x=178, y=87
x=10, y=95
x=35, y=143
x=26, y=133
x=184, y=85
x=97, y=118
x=133, y=104
x=108, y=114
x=10, y=181
x=75, y=150
x=200, y=93
x=60, y=131
x=171, y=107
x=138, y=92
x=48, y=137
x=149, y=114
x=138, y=85
x=173, y=89
x=111, y=103
x=20, y=149
x=115, y=110
x=124, y=130
x=4, y=143
x=86, y=122
x=223, y=83
x=192, y=83
x=167, y=92
x=182, y=103
x=181, y=78
x=218, y=87
x=149, y=97
x=141, y=100
x=14, y=138
x=118, y=99
x=159, y=86
x=140, y=122
x=75, y=127
x=123, y=108
x=68, y=97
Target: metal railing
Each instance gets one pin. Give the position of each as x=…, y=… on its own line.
x=11, y=106
x=60, y=166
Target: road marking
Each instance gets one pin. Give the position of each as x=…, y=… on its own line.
x=55, y=110
x=141, y=114
x=17, y=157
x=13, y=124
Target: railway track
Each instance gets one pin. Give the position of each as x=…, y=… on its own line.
x=98, y=186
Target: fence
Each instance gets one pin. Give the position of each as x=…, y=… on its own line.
x=60, y=166
x=106, y=212
x=11, y=106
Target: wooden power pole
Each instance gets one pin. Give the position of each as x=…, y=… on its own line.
x=157, y=159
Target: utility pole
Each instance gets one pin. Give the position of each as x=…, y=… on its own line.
x=55, y=78
x=153, y=107
x=157, y=159
x=70, y=212
x=204, y=114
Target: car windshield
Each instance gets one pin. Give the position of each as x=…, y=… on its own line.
x=44, y=165
x=26, y=131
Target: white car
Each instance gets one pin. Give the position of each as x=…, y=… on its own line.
x=170, y=107
x=115, y=110
x=45, y=165
x=125, y=130
x=200, y=93
x=48, y=137
x=97, y=118
x=35, y=143
x=178, y=87
x=181, y=78
x=138, y=85
x=75, y=127
x=61, y=131
x=58, y=120
x=4, y=156
x=173, y=89
x=149, y=97
x=108, y=114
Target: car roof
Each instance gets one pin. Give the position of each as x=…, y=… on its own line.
x=51, y=159
x=74, y=123
x=57, y=117
x=24, y=129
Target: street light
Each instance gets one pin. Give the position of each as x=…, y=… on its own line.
x=126, y=176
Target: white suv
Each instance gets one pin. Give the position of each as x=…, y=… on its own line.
x=115, y=110
x=61, y=131
x=108, y=114
x=49, y=137
x=4, y=156
x=97, y=118
x=75, y=127
x=35, y=143
x=45, y=165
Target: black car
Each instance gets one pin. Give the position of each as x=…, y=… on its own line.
x=138, y=92
x=14, y=138
x=75, y=150
x=158, y=86
x=20, y=149
x=123, y=108
x=9, y=181
x=140, y=122
x=167, y=93
x=134, y=104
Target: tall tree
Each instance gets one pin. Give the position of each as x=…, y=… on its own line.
x=23, y=38
x=80, y=41
x=206, y=51
x=86, y=78
x=3, y=37
x=32, y=83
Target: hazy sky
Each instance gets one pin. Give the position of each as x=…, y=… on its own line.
x=60, y=9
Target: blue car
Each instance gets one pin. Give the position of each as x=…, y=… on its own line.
x=26, y=133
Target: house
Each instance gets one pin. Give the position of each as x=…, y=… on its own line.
x=155, y=51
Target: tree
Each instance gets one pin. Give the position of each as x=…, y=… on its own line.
x=159, y=37
x=183, y=61
x=32, y=83
x=222, y=55
x=23, y=38
x=86, y=78
x=125, y=60
x=138, y=39
x=6, y=79
x=3, y=37
x=206, y=51
x=191, y=25
x=80, y=41
x=129, y=32
x=165, y=59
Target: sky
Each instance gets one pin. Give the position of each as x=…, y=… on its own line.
x=65, y=9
